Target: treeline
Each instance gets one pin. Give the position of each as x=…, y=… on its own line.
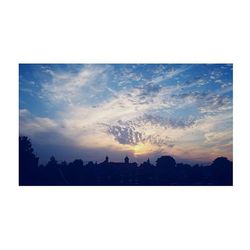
x=166, y=171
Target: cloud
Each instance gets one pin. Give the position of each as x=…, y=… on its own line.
x=167, y=122
x=130, y=110
x=30, y=124
x=147, y=129
x=215, y=138
x=43, y=130
x=206, y=102
x=131, y=133
x=196, y=81
x=116, y=123
x=27, y=91
x=70, y=87
x=125, y=135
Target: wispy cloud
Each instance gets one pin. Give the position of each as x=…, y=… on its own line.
x=70, y=87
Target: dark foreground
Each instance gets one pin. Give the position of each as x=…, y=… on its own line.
x=165, y=173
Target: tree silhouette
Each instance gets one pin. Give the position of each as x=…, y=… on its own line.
x=167, y=172
x=52, y=162
x=222, y=171
x=28, y=162
x=52, y=174
x=166, y=161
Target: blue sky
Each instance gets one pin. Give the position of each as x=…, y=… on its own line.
x=141, y=110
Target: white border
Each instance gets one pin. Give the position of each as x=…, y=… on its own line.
x=123, y=32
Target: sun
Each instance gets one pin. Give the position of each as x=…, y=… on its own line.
x=141, y=149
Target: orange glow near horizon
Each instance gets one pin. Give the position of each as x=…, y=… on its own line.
x=142, y=149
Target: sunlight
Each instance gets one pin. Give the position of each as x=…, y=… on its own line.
x=141, y=149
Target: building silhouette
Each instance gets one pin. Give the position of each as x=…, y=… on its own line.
x=126, y=160
x=126, y=163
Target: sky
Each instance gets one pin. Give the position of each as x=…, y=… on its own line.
x=144, y=111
